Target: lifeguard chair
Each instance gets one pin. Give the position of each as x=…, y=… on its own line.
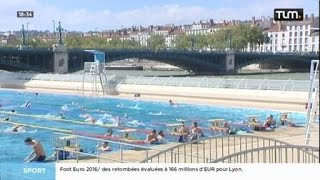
x=66, y=145
x=96, y=70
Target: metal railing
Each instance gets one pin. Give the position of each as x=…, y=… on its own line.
x=209, y=149
x=121, y=151
x=205, y=82
x=274, y=154
x=212, y=82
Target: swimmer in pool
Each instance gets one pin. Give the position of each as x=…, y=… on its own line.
x=17, y=128
x=7, y=119
x=61, y=115
x=28, y=104
x=171, y=103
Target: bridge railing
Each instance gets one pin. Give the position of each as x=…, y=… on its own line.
x=209, y=82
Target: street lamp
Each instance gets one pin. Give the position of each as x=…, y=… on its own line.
x=54, y=27
x=27, y=33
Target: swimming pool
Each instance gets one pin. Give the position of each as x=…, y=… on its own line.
x=144, y=115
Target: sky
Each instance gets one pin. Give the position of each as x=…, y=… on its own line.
x=90, y=15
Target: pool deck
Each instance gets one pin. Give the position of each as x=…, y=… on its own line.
x=292, y=135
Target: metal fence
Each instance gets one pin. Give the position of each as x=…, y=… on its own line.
x=210, y=149
x=208, y=82
x=205, y=82
x=279, y=154
x=121, y=153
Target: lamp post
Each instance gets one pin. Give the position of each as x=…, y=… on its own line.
x=23, y=36
x=54, y=27
x=27, y=41
x=60, y=29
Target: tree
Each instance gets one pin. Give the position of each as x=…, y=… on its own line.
x=201, y=41
x=182, y=42
x=156, y=42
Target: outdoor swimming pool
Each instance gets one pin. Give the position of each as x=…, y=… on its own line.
x=144, y=115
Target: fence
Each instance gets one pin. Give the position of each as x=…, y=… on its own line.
x=205, y=82
x=210, y=149
x=279, y=154
x=121, y=151
x=208, y=82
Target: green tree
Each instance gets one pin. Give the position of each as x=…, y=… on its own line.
x=201, y=41
x=182, y=42
x=156, y=42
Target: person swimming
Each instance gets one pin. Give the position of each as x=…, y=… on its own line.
x=17, y=128
x=61, y=115
x=7, y=119
x=27, y=104
x=171, y=103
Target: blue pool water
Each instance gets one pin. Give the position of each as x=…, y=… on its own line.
x=145, y=115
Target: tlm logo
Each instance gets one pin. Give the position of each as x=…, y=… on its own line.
x=288, y=14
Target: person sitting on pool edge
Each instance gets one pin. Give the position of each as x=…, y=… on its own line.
x=269, y=123
x=196, y=132
x=109, y=132
x=185, y=131
x=160, y=137
x=37, y=150
x=105, y=147
x=152, y=137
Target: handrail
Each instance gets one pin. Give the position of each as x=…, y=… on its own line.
x=183, y=81
x=175, y=149
x=165, y=82
x=284, y=87
x=111, y=141
x=305, y=149
x=239, y=83
x=262, y=83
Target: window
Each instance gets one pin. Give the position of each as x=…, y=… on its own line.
x=276, y=35
x=300, y=41
x=313, y=39
x=276, y=41
x=290, y=48
x=300, y=27
x=295, y=34
x=290, y=27
x=295, y=48
x=305, y=40
x=300, y=48
x=301, y=33
x=306, y=33
x=295, y=40
x=276, y=48
x=282, y=34
x=290, y=41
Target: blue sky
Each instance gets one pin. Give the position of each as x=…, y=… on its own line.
x=86, y=15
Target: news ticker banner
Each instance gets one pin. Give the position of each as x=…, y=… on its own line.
x=198, y=171
x=67, y=171
x=26, y=171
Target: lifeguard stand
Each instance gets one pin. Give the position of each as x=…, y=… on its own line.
x=96, y=71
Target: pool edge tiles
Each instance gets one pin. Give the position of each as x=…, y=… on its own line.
x=26, y=171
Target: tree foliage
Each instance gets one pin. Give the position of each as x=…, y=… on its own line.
x=156, y=42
